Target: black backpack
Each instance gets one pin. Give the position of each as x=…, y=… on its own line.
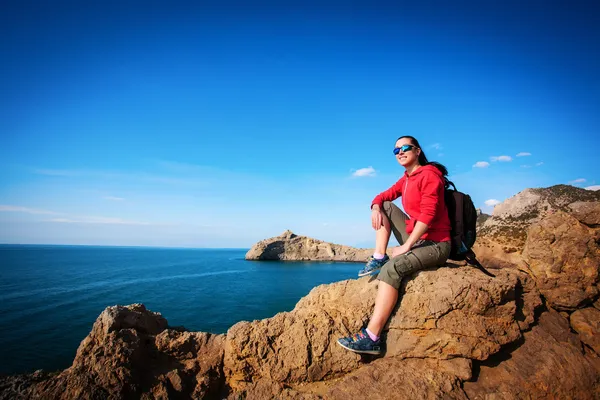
x=463, y=220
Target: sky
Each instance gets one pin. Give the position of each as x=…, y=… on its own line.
x=192, y=124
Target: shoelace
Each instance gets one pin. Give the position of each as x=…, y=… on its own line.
x=358, y=336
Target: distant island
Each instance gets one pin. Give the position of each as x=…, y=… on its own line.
x=291, y=247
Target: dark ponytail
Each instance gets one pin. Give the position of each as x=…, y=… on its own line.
x=423, y=158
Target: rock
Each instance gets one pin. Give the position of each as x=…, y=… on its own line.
x=481, y=217
x=586, y=212
x=445, y=313
x=586, y=323
x=300, y=345
x=563, y=257
x=271, y=390
x=131, y=353
x=291, y=247
x=548, y=364
x=394, y=378
x=449, y=313
x=22, y=386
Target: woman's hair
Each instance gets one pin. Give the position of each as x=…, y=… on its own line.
x=423, y=158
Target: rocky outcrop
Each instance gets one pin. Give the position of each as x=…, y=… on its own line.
x=130, y=353
x=444, y=314
x=291, y=247
x=548, y=364
x=563, y=256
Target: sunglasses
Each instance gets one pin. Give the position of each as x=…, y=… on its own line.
x=403, y=149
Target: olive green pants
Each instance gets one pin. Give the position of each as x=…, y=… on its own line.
x=425, y=254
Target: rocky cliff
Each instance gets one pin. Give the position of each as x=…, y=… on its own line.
x=456, y=333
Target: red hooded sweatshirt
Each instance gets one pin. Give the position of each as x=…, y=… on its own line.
x=423, y=200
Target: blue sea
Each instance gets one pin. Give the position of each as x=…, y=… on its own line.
x=50, y=296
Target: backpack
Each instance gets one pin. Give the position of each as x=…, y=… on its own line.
x=463, y=221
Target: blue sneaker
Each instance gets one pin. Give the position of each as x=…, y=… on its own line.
x=373, y=265
x=361, y=343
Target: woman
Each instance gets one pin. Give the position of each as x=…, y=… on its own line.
x=423, y=235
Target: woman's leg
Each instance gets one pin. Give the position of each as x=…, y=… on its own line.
x=394, y=220
x=386, y=299
x=430, y=254
x=382, y=235
x=427, y=255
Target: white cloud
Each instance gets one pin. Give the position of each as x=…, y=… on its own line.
x=501, y=158
x=135, y=176
x=26, y=210
x=491, y=202
x=593, y=187
x=70, y=218
x=113, y=198
x=540, y=163
x=481, y=164
x=369, y=171
x=96, y=220
x=523, y=154
x=57, y=172
x=579, y=180
x=436, y=146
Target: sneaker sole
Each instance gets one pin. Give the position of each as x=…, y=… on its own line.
x=368, y=273
x=373, y=352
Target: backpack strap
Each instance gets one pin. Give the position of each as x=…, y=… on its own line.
x=472, y=260
x=448, y=183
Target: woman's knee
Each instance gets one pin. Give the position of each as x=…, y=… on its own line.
x=388, y=206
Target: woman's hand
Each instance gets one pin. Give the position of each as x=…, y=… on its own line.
x=376, y=218
x=400, y=250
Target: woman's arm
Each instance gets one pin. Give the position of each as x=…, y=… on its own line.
x=389, y=195
x=418, y=231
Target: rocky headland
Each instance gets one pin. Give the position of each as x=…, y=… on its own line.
x=291, y=247
x=530, y=332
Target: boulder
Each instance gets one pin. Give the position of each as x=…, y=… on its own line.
x=586, y=323
x=563, y=256
x=450, y=313
x=548, y=364
x=130, y=353
x=587, y=212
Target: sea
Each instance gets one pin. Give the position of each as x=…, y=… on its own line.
x=51, y=295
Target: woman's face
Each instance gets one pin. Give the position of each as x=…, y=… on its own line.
x=408, y=157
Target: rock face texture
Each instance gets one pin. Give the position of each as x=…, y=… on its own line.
x=530, y=332
x=291, y=247
x=549, y=364
x=563, y=256
x=586, y=323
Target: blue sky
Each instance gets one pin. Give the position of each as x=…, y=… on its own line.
x=196, y=125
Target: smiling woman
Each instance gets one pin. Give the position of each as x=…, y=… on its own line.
x=423, y=234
